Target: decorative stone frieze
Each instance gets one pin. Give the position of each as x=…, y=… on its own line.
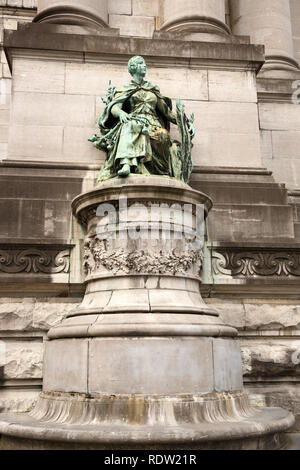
x=97, y=255
x=252, y=263
x=34, y=260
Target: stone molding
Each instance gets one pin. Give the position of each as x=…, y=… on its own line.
x=196, y=23
x=252, y=263
x=270, y=90
x=22, y=43
x=69, y=15
x=97, y=255
x=34, y=260
x=95, y=409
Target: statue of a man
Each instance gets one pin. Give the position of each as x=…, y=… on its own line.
x=134, y=130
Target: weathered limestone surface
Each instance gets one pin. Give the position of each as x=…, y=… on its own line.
x=271, y=316
x=271, y=358
x=227, y=365
x=148, y=363
x=31, y=314
x=19, y=3
x=261, y=357
x=23, y=360
x=143, y=368
x=142, y=26
x=134, y=17
x=270, y=341
x=73, y=91
x=145, y=7
x=62, y=102
x=280, y=124
x=258, y=315
x=295, y=16
x=17, y=401
x=120, y=7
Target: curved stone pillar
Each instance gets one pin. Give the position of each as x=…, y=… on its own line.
x=203, y=19
x=74, y=12
x=267, y=22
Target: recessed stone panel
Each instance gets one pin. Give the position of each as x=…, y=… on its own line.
x=66, y=365
x=154, y=365
x=227, y=365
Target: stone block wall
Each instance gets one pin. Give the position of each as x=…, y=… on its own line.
x=11, y=11
x=280, y=133
x=24, y=324
x=219, y=100
x=270, y=343
x=134, y=17
x=19, y=3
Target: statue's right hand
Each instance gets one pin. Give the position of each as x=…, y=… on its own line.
x=124, y=117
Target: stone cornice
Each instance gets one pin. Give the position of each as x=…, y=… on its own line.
x=35, y=42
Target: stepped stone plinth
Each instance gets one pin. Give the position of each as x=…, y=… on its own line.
x=143, y=362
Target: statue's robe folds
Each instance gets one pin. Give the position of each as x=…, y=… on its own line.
x=144, y=141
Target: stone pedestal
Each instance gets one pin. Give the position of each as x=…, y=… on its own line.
x=143, y=361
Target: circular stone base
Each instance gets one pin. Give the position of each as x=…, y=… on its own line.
x=263, y=431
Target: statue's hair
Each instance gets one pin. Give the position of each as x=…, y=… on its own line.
x=132, y=62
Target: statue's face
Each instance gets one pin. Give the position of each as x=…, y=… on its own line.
x=140, y=68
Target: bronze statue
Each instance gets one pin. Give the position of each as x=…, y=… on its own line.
x=134, y=130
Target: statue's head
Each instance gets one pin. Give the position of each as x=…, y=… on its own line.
x=137, y=65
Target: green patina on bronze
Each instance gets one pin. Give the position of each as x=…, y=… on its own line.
x=135, y=131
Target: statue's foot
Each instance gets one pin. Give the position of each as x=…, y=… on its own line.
x=125, y=170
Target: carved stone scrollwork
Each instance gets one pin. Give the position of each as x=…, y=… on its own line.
x=96, y=255
x=34, y=260
x=254, y=263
